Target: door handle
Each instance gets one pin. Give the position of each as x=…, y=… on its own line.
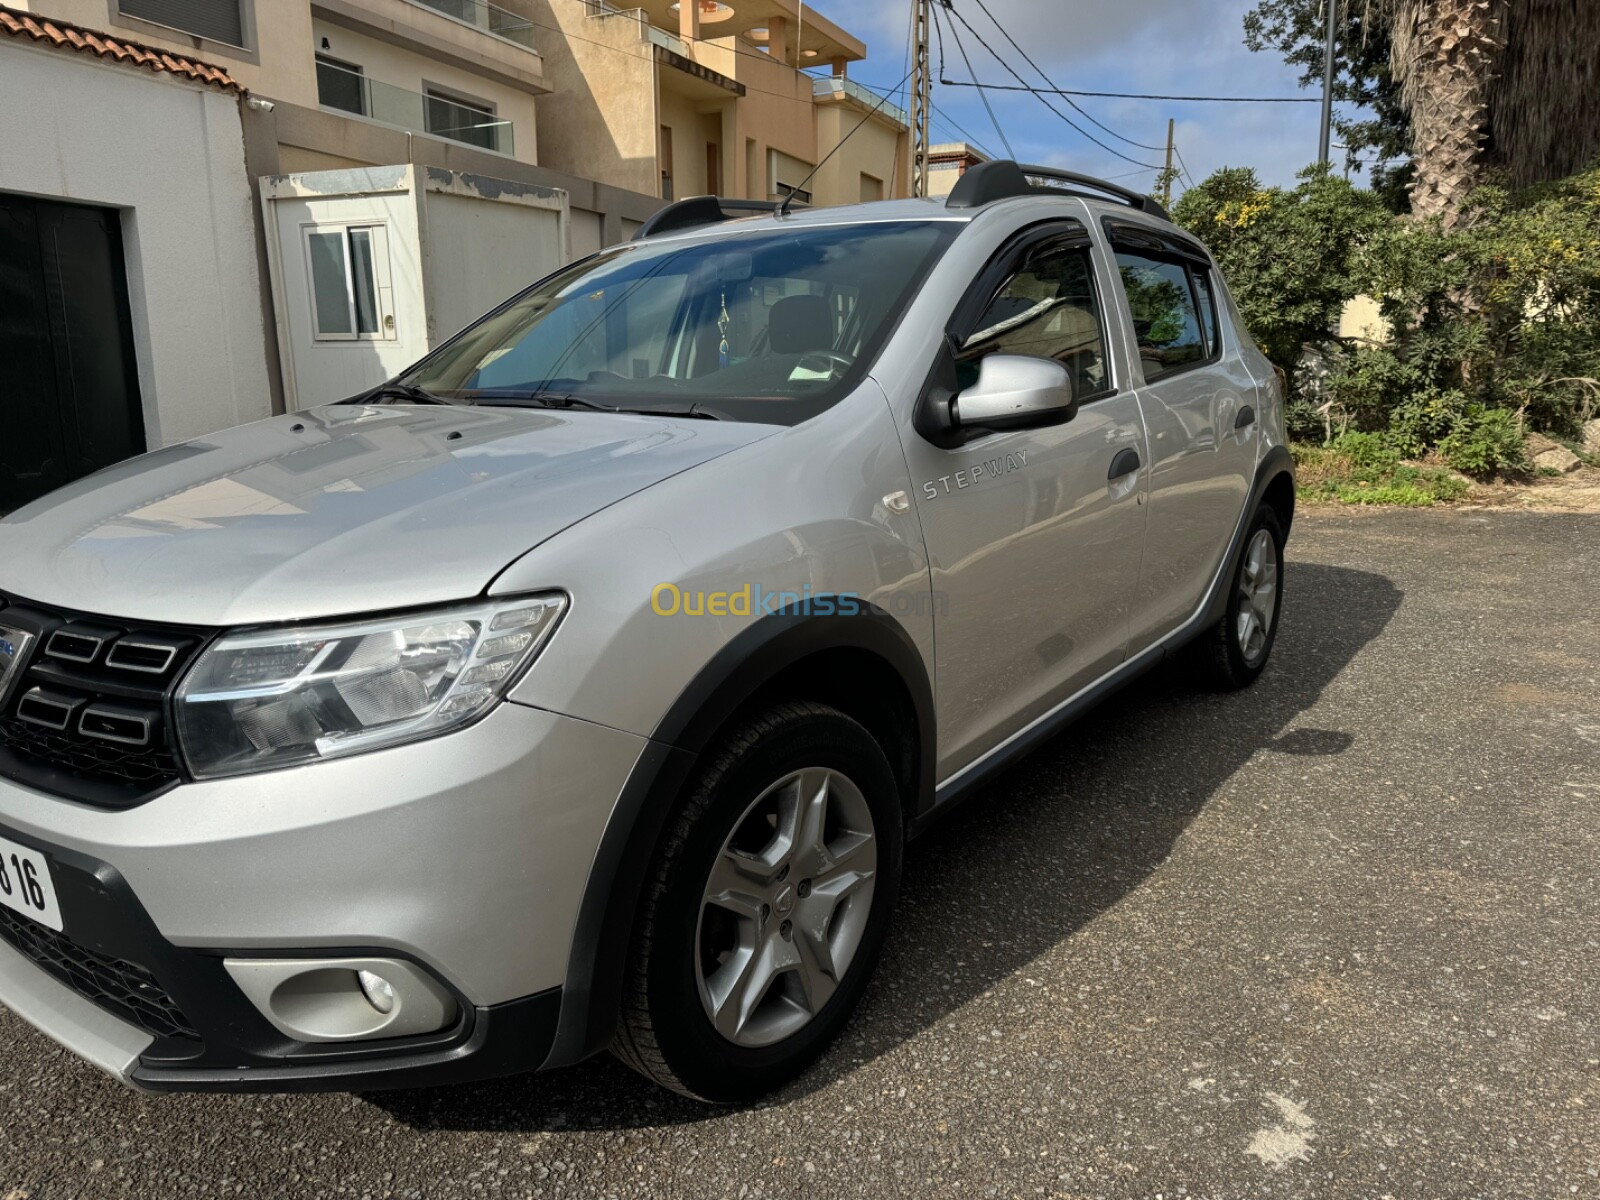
x=1125, y=463
x=1246, y=418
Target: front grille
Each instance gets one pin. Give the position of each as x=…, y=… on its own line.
x=146, y=768
x=122, y=988
x=86, y=713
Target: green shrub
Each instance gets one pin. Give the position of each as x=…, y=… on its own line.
x=1365, y=468
x=1423, y=419
x=1486, y=442
x=1289, y=254
x=1500, y=314
x=1367, y=452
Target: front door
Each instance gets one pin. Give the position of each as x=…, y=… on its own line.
x=1034, y=548
x=69, y=389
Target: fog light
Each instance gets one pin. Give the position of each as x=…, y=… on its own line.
x=378, y=991
x=344, y=999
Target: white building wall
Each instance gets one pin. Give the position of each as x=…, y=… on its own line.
x=170, y=156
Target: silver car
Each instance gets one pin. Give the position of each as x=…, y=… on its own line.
x=580, y=687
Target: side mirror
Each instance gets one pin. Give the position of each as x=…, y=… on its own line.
x=1013, y=391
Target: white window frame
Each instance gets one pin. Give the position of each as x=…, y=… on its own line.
x=382, y=279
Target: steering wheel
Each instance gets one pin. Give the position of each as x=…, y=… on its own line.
x=839, y=362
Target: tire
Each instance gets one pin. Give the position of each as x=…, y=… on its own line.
x=1222, y=658
x=692, y=933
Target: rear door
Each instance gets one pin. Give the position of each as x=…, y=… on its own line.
x=1200, y=407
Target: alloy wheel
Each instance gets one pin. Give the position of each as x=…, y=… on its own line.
x=785, y=906
x=1258, y=595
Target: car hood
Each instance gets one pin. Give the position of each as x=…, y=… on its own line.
x=342, y=509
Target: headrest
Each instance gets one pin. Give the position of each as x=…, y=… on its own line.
x=800, y=324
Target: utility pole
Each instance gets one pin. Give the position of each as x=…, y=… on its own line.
x=1323, y=146
x=921, y=97
x=1166, y=176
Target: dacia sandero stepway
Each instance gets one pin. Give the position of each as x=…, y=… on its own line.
x=579, y=687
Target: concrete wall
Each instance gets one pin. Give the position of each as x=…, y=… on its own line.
x=690, y=129
x=480, y=248
x=1363, y=319
x=777, y=114
x=602, y=117
x=170, y=156
x=880, y=150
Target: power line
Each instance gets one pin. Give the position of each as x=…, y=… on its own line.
x=1183, y=166
x=1040, y=70
x=1055, y=91
x=783, y=206
x=1108, y=149
x=955, y=36
x=949, y=123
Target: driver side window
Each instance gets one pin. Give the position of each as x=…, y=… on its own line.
x=1046, y=308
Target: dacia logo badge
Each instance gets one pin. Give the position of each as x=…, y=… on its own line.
x=14, y=645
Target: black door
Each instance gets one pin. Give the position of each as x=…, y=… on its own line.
x=69, y=390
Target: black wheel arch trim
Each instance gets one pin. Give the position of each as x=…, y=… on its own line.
x=592, y=991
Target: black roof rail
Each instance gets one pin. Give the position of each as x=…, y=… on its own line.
x=701, y=210
x=1004, y=179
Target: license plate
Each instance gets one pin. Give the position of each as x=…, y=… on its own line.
x=26, y=886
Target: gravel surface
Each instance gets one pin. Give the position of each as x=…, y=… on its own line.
x=1335, y=936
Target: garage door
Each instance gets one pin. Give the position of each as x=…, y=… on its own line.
x=69, y=392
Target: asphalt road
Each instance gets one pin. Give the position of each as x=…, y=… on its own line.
x=1337, y=936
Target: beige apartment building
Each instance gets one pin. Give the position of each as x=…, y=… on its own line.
x=683, y=99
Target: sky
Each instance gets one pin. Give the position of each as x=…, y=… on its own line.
x=1188, y=47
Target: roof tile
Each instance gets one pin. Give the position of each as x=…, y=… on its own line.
x=19, y=24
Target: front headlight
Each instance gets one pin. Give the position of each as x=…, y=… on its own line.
x=275, y=698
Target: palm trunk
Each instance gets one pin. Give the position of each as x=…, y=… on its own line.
x=1445, y=53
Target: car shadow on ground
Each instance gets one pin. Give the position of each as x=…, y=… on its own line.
x=1018, y=868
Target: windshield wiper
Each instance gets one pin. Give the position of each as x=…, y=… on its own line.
x=566, y=400
x=411, y=392
x=570, y=400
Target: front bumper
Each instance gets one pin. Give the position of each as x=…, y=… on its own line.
x=466, y=855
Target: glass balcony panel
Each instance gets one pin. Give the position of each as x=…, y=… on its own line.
x=490, y=18
x=351, y=91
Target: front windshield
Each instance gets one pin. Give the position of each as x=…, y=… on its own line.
x=770, y=325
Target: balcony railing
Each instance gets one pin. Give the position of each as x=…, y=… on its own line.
x=352, y=92
x=490, y=18
x=833, y=85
